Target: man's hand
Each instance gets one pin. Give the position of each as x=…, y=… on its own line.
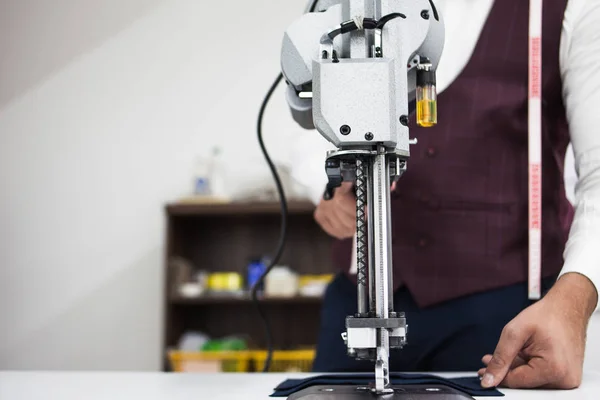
x=543, y=347
x=337, y=216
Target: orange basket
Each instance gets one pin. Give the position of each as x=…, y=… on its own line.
x=210, y=361
x=241, y=361
x=286, y=361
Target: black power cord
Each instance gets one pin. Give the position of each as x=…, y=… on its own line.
x=283, y=229
x=284, y=217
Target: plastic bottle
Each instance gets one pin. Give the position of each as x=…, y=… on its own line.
x=209, y=175
x=202, y=177
x=217, y=174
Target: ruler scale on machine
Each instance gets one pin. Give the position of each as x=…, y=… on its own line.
x=370, y=243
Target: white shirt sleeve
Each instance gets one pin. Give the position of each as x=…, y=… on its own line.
x=308, y=163
x=580, y=69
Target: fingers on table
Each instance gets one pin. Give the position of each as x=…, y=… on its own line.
x=512, y=341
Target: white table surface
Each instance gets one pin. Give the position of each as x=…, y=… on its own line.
x=165, y=386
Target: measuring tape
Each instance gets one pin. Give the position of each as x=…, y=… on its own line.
x=535, y=149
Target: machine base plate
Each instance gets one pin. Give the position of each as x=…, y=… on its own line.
x=407, y=392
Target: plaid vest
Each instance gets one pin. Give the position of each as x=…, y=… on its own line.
x=460, y=212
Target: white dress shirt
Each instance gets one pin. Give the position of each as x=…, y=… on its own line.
x=580, y=72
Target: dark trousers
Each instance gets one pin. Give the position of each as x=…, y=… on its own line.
x=452, y=336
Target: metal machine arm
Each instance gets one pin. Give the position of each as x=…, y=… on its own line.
x=352, y=71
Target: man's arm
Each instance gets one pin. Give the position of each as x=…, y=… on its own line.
x=580, y=67
x=544, y=346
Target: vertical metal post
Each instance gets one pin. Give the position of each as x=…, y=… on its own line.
x=377, y=9
x=389, y=241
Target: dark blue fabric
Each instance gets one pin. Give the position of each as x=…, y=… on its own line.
x=449, y=337
x=468, y=385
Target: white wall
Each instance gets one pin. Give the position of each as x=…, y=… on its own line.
x=104, y=105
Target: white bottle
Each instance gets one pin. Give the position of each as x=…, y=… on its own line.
x=209, y=176
x=218, y=188
x=202, y=177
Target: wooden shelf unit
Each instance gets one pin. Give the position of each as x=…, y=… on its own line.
x=224, y=237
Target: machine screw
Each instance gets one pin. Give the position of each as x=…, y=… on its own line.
x=369, y=136
x=425, y=14
x=345, y=130
x=334, y=57
x=404, y=120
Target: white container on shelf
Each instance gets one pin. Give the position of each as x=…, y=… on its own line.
x=281, y=282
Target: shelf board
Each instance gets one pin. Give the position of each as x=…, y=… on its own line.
x=245, y=299
x=238, y=208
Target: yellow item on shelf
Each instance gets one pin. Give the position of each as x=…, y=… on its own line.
x=308, y=279
x=285, y=361
x=313, y=285
x=241, y=361
x=225, y=281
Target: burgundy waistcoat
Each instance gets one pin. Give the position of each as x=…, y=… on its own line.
x=460, y=212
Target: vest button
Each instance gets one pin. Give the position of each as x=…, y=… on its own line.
x=431, y=152
x=423, y=242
